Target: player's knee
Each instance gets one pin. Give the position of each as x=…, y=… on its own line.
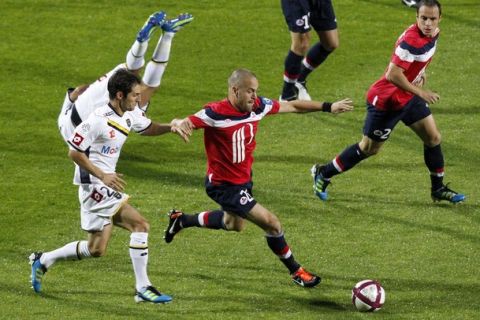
x=97, y=252
x=236, y=225
x=300, y=47
x=331, y=46
x=141, y=226
x=434, y=140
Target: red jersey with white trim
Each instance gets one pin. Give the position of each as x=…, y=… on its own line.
x=229, y=138
x=413, y=52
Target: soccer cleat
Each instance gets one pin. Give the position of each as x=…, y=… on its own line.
x=174, y=225
x=176, y=24
x=319, y=182
x=302, y=91
x=305, y=279
x=38, y=271
x=155, y=20
x=410, y=3
x=150, y=294
x=445, y=193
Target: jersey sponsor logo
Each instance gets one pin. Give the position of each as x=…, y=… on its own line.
x=109, y=150
x=96, y=196
x=77, y=139
x=238, y=143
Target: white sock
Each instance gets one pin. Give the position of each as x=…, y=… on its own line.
x=139, y=256
x=155, y=68
x=72, y=251
x=135, y=56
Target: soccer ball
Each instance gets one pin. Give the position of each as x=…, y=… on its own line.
x=368, y=295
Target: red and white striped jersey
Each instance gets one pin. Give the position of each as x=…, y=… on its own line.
x=413, y=52
x=229, y=138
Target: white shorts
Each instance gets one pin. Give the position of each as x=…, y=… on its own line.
x=98, y=204
x=64, y=121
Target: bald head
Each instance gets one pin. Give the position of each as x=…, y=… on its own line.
x=239, y=76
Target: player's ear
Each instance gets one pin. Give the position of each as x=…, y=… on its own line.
x=119, y=95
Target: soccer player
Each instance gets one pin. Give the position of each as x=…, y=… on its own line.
x=399, y=95
x=230, y=126
x=81, y=101
x=301, y=16
x=95, y=147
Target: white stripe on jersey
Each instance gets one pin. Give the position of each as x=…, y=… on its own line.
x=202, y=115
x=238, y=145
x=406, y=55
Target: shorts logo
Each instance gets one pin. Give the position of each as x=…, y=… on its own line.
x=243, y=201
x=77, y=139
x=97, y=196
x=300, y=22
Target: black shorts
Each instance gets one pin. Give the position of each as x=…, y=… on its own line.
x=237, y=199
x=302, y=15
x=379, y=124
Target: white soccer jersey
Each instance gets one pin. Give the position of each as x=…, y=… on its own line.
x=95, y=96
x=101, y=137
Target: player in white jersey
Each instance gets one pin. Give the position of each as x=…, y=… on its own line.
x=81, y=101
x=95, y=147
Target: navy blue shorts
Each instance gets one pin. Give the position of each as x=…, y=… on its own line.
x=237, y=199
x=302, y=15
x=379, y=124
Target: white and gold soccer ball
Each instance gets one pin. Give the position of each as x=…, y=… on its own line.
x=368, y=295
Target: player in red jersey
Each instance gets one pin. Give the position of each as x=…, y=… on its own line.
x=230, y=126
x=399, y=95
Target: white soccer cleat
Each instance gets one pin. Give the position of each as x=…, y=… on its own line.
x=302, y=92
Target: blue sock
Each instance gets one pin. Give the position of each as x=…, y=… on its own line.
x=315, y=57
x=293, y=63
x=280, y=247
x=350, y=157
x=434, y=160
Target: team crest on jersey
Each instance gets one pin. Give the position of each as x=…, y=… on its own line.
x=300, y=22
x=111, y=133
x=129, y=123
x=77, y=139
x=97, y=196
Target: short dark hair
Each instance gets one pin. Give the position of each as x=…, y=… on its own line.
x=430, y=3
x=122, y=81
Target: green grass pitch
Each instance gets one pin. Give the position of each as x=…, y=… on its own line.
x=378, y=224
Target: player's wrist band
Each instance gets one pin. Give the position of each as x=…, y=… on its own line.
x=327, y=107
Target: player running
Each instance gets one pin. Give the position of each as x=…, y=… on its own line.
x=399, y=96
x=95, y=147
x=230, y=127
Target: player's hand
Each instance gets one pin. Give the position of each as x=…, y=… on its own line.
x=420, y=82
x=114, y=181
x=184, y=128
x=429, y=96
x=342, y=106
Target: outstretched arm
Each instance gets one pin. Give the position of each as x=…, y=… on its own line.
x=395, y=75
x=313, y=106
x=156, y=129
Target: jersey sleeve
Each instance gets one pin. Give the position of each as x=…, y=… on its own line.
x=85, y=133
x=201, y=119
x=140, y=122
x=268, y=106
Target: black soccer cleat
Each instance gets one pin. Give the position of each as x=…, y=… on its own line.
x=447, y=194
x=174, y=225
